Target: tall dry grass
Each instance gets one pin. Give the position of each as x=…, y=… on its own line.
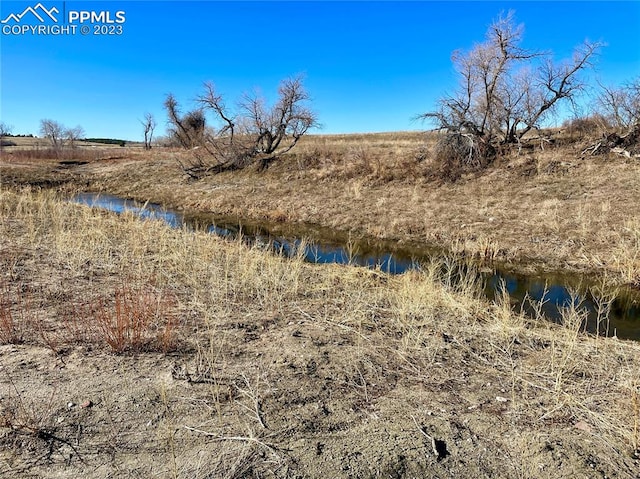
x=425, y=330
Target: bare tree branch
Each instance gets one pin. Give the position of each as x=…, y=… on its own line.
x=621, y=106
x=505, y=90
x=148, y=125
x=254, y=132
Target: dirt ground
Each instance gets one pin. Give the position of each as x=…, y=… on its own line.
x=128, y=349
x=312, y=418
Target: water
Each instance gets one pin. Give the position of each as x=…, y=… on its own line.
x=551, y=292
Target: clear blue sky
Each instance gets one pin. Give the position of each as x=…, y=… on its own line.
x=369, y=66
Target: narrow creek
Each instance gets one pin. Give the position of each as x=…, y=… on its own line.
x=556, y=291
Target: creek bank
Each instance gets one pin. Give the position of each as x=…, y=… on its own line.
x=550, y=293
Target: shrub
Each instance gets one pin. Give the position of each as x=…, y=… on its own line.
x=589, y=126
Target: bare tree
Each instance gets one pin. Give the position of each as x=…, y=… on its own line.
x=504, y=92
x=60, y=136
x=188, y=130
x=252, y=132
x=55, y=132
x=72, y=135
x=277, y=130
x=5, y=130
x=149, y=125
x=621, y=106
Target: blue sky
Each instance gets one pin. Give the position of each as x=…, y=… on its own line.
x=369, y=66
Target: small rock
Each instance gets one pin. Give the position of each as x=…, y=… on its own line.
x=86, y=404
x=501, y=399
x=583, y=426
x=70, y=404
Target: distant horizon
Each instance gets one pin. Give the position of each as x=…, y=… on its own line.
x=313, y=133
x=369, y=67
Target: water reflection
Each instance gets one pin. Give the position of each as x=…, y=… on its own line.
x=549, y=293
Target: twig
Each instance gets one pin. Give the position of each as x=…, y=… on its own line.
x=431, y=438
x=217, y=437
x=253, y=396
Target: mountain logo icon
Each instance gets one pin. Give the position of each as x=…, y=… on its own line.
x=39, y=11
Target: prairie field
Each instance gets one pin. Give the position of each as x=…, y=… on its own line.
x=131, y=349
x=544, y=208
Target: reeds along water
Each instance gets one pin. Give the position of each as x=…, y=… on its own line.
x=607, y=311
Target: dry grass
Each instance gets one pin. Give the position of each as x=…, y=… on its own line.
x=541, y=209
x=38, y=149
x=138, y=320
x=285, y=369
x=13, y=318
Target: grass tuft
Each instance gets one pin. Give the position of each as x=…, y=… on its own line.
x=137, y=320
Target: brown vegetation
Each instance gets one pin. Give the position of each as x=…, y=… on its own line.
x=547, y=206
x=286, y=369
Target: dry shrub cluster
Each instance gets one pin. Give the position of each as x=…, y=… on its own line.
x=456, y=153
x=588, y=127
x=13, y=320
x=131, y=320
x=138, y=320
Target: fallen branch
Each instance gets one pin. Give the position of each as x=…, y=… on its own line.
x=592, y=149
x=621, y=151
x=217, y=437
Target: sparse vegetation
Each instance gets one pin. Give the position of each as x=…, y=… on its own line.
x=388, y=186
x=414, y=371
x=132, y=349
